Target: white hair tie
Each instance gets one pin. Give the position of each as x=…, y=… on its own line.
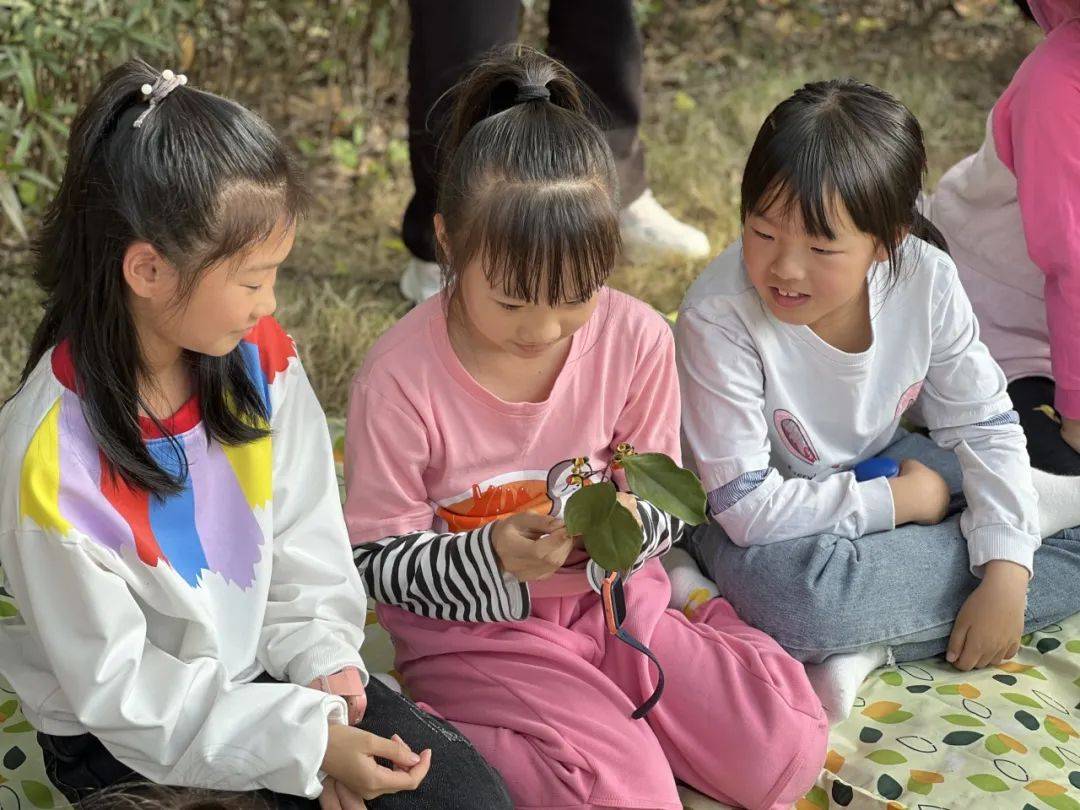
x=154, y=93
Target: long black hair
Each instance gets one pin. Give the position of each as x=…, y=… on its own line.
x=200, y=179
x=849, y=141
x=528, y=180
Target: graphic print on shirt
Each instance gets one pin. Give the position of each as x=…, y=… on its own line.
x=794, y=436
x=210, y=525
x=907, y=399
x=511, y=493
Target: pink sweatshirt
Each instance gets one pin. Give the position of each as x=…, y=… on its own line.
x=1011, y=213
x=432, y=458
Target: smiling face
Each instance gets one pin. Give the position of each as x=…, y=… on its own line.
x=804, y=279
x=228, y=299
x=525, y=330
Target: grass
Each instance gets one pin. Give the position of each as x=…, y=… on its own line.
x=711, y=76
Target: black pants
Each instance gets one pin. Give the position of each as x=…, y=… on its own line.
x=1033, y=398
x=597, y=39
x=459, y=778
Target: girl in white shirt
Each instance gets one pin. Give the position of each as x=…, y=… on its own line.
x=800, y=348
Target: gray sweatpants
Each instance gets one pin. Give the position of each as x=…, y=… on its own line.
x=826, y=594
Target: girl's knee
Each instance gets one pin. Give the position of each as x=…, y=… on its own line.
x=791, y=768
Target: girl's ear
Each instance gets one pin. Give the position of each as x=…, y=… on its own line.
x=442, y=238
x=882, y=253
x=147, y=273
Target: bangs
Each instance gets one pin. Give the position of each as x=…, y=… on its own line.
x=555, y=243
x=247, y=215
x=796, y=178
x=821, y=163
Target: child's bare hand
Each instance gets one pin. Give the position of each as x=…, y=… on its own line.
x=529, y=546
x=350, y=761
x=630, y=502
x=920, y=494
x=335, y=796
x=988, y=628
x=1070, y=432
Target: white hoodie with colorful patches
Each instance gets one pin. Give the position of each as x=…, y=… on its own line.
x=1011, y=213
x=143, y=620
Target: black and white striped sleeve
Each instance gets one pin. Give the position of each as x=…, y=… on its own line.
x=454, y=577
x=660, y=530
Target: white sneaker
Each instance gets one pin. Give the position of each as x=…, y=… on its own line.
x=420, y=281
x=650, y=233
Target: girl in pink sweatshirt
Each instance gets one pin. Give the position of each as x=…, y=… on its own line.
x=1011, y=215
x=471, y=423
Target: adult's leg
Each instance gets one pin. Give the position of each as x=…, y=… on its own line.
x=601, y=43
x=1033, y=398
x=447, y=37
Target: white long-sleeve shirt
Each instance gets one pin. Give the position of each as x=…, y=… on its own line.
x=774, y=417
x=143, y=620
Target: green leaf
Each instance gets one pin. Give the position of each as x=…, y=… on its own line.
x=612, y=535
x=25, y=71
x=884, y=756
x=21, y=727
x=995, y=745
x=38, y=794
x=1052, y=756
x=963, y=720
x=922, y=788
x=8, y=708
x=895, y=717
x=657, y=479
x=7, y=610
x=1021, y=700
x=345, y=153
x=818, y=798
x=988, y=782
x=9, y=202
x=1062, y=802
x=892, y=678
x=1055, y=732
x=22, y=146
x=1073, y=646
x=58, y=126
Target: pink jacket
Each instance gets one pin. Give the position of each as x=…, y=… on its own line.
x=1011, y=213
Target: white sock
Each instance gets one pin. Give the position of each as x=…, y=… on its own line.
x=837, y=679
x=1059, y=501
x=689, y=587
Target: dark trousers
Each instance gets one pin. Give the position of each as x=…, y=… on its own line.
x=459, y=778
x=1033, y=398
x=597, y=39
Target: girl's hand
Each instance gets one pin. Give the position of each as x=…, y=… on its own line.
x=1070, y=432
x=524, y=551
x=630, y=502
x=989, y=625
x=920, y=494
x=350, y=762
x=335, y=796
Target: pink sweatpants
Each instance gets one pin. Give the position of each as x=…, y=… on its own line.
x=547, y=701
